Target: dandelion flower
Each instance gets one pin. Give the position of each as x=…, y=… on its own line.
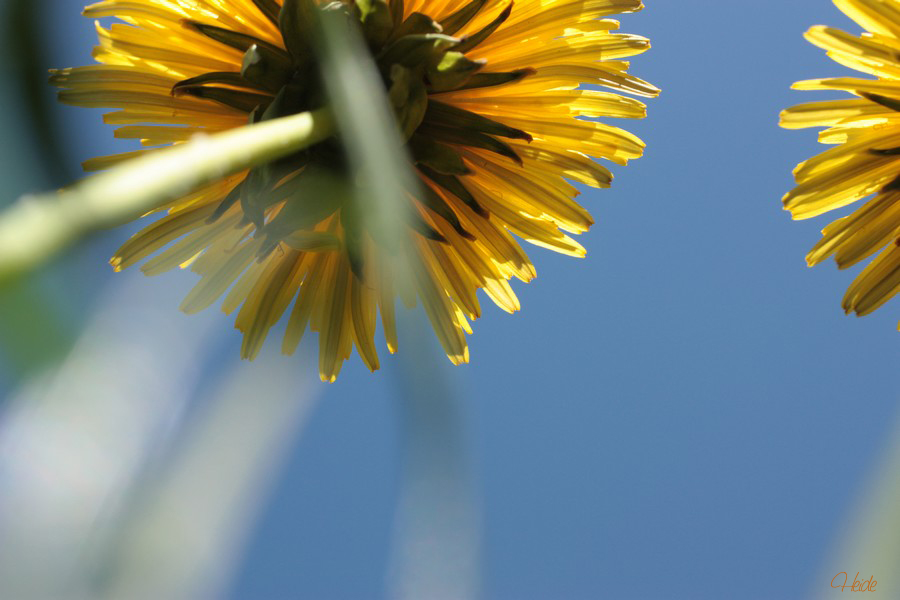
x=865, y=164
x=485, y=94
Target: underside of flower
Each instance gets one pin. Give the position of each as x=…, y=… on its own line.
x=417, y=57
x=484, y=93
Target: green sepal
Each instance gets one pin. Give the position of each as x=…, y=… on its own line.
x=416, y=23
x=409, y=98
x=447, y=115
x=481, y=80
x=289, y=100
x=441, y=158
x=397, y=10
x=885, y=151
x=419, y=225
x=220, y=77
x=414, y=111
x=891, y=103
x=353, y=239
x=256, y=115
x=436, y=204
x=471, y=41
x=277, y=172
x=233, y=196
x=892, y=186
x=233, y=39
x=466, y=137
x=269, y=9
x=401, y=82
x=266, y=69
x=452, y=71
x=283, y=170
x=452, y=184
x=416, y=49
x=311, y=197
x=255, y=194
x=460, y=18
x=297, y=24
x=252, y=199
x=312, y=241
x=257, y=191
x=377, y=21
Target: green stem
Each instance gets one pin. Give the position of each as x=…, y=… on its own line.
x=36, y=228
x=437, y=546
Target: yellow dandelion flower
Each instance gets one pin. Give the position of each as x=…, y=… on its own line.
x=486, y=95
x=866, y=159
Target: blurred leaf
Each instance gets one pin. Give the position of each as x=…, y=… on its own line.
x=115, y=483
x=217, y=480
x=75, y=440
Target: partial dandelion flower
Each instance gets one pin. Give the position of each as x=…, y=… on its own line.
x=486, y=95
x=866, y=160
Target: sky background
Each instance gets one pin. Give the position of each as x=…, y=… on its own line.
x=685, y=413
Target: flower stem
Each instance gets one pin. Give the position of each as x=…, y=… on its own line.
x=36, y=228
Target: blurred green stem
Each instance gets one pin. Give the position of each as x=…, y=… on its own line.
x=36, y=228
x=436, y=552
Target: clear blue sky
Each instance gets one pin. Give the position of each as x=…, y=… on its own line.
x=686, y=413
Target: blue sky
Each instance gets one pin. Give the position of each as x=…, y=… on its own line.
x=686, y=413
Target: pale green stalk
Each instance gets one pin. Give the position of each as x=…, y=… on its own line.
x=37, y=227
